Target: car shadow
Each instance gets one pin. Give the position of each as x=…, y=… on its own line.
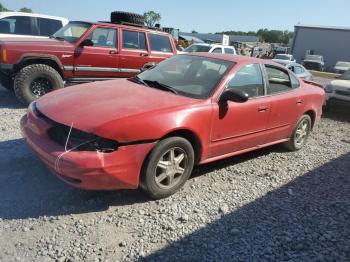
x=307, y=219
x=29, y=190
x=338, y=112
x=8, y=99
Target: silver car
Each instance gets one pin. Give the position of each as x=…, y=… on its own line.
x=298, y=69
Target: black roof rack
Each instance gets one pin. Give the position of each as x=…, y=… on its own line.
x=131, y=24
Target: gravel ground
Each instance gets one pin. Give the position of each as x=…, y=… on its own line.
x=268, y=205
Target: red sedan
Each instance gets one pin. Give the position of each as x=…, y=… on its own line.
x=151, y=130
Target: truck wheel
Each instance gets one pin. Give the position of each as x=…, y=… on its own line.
x=6, y=81
x=168, y=167
x=118, y=17
x=34, y=81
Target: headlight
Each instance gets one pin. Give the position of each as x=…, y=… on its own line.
x=328, y=89
x=78, y=140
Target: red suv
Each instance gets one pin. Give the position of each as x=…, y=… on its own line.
x=79, y=52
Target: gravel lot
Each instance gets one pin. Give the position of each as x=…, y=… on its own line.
x=266, y=205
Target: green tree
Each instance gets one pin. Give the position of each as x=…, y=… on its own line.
x=3, y=8
x=25, y=10
x=194, y=32
x=151, y=18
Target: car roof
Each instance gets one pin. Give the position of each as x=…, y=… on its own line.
x=213, y=45
x=7, y=14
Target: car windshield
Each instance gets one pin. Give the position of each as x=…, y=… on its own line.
x=197, y=48
x=72, y=31
x=192, y=76
x=282, y=57
x=314, y=57
x=345, y=76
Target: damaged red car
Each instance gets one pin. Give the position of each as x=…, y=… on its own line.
x=149, y=131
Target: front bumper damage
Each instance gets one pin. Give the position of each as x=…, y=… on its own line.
x=93, y=170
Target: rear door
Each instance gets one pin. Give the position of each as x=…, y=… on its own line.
x=99, y=60
x=160, y=47
x=286, y=102
x=134, y=52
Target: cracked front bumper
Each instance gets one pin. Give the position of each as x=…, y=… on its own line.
x=93, y=170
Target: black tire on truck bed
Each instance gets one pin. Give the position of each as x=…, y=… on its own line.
x=35, y=80
x=6, y=81
x=118, y=17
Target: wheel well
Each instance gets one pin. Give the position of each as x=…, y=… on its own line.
x=192, y=138
x=312, y=115
x=45, y=61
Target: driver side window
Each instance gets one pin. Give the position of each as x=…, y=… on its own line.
x=248, y=79
x=104, y=37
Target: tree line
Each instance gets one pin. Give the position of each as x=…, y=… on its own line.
x=265, y=35
x=23, y=9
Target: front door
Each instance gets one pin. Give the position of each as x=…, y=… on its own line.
x=239, y=126
x=99, y=60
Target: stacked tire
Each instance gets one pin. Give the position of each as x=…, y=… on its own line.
x=119, y=17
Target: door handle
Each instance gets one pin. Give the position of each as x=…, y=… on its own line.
x=299, y=101
x=143, y=54
x=263, y=108
x=113, y=52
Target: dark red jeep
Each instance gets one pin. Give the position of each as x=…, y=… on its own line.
x=79, y=52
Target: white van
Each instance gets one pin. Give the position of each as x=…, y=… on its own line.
x=209, y=48
x=18, y=24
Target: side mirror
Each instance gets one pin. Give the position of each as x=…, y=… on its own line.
x=234, y=95
x=148, y=66
x=87, y=42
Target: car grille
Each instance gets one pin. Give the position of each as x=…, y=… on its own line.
x=59, y=133
x=342, y=93
x=311, y=65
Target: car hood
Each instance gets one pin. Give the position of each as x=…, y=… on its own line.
x=313, y=61
x=89, y=106
x=341, y=83
x=33, y=41
x=343, y=68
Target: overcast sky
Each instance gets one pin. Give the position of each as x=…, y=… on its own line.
x=203, y=16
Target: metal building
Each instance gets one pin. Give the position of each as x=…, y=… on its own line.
x=331, y=42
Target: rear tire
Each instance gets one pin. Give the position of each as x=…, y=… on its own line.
x=168, y=167
x=119, y=17
x=300, y=134
x=33, y=81
x=6, y=81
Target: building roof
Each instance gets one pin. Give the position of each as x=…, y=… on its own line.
x=323, y=27
x=217, y=38
x=191, y=38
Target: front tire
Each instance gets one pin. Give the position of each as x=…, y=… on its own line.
x=168, y=167
x=300, y=134
x=34, y=81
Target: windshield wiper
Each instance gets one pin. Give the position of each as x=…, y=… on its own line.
x=161, y=86
x=57, y=37
x=138, y=80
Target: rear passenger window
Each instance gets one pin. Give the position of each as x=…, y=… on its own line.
x=248, y=79
x=229, y=51
x=278, y=80
x=160, y=43
x=104, y=37
x=20, y=25
x=48, y=27
x=217, y=50
x=134, y=40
